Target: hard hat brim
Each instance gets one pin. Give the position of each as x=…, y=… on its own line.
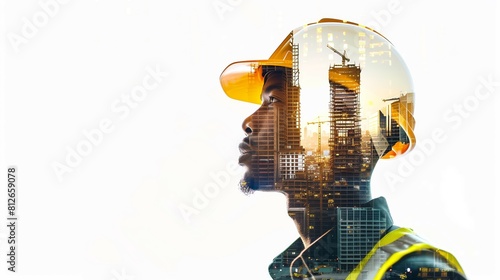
x=243, y=80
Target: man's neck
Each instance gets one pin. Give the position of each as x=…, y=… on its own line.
x=316, y=224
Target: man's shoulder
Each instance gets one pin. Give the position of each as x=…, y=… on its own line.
x=416, y=258
x=424, y=264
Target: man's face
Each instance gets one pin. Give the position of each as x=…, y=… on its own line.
x=259, y=150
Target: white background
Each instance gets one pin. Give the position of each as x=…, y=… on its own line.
x=117, y=214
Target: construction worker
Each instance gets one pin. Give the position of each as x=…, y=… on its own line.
x=335, y=97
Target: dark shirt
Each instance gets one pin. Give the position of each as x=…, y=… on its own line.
x=328, y=256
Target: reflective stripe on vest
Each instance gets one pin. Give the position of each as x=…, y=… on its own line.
x=390, y=249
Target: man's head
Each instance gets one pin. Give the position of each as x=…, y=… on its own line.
x=334, y=98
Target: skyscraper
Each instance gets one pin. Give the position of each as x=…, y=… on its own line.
x=345, y=134
x=358, y=231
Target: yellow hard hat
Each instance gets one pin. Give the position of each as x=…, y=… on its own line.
x=386, y=80
x=243, y=80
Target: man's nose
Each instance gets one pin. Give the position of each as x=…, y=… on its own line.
x=247, y=125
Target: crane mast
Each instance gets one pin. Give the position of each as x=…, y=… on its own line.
x=320, y=165
x=319, y=135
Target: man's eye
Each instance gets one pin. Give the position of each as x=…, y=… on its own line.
x=273, y=99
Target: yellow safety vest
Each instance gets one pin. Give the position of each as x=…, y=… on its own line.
x=390, y=249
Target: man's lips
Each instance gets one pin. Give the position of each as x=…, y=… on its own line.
x=245, y=158
x=246, y=152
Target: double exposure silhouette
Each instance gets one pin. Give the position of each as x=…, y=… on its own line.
x=335, y=97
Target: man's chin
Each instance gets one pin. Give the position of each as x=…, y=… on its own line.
x=248, y=184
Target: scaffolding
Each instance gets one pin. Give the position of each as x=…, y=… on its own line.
x=293, y=104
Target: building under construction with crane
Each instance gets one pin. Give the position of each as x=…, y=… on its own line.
x=345, y=132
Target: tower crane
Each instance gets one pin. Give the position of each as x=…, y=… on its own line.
x=318, y=122
x=344, y=58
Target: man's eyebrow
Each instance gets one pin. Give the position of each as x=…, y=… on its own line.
x=274, y=87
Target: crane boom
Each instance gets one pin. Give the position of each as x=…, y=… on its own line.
x=390, y=99
x=344, y=58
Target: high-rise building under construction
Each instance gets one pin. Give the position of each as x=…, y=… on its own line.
x=345, y=135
